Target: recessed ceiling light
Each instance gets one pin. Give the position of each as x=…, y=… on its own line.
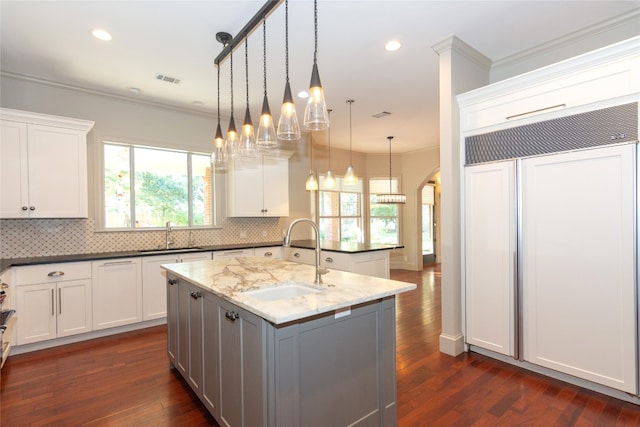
x=101, y=34
x=302, y=94
x=392, y=46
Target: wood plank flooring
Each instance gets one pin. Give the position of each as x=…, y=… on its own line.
x=125, y=380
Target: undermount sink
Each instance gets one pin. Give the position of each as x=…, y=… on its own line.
x=160, y=251
x=282, y=291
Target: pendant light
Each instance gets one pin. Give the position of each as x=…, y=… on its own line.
x=219, y=155
x=329, y=180
x=390, y=197
x=350, y=176
x=312, y=181
x=288, y=126
x=231, y=143
x=315, y=114
x=247, y=139
x=266, y=130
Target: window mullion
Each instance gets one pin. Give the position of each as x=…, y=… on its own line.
x=132, y=186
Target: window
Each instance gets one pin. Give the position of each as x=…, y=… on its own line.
x=144, y=187
x=340, y=212
x=384, y=220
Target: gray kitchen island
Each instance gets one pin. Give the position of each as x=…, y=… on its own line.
x=261, y=345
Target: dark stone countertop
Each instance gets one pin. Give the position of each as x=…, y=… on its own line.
x=303, y=244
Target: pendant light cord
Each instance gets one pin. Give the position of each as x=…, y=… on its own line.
x=264, y=53
x=246, y=67
x=389, y=138
x=231, y=68
x=329, y=137
x=218, y=67
x=350, y=101
x=315, y=27
x=286, y=39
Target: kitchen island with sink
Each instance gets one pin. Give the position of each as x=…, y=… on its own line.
x=261, y=345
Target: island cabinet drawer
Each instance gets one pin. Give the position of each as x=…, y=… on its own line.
x=303, y=256
x=336, y=260
x=233, y=253
x=273, y=252
x=49, y=273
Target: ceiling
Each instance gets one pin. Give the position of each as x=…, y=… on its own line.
x=50, y=40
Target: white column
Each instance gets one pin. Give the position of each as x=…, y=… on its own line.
x=462, y=68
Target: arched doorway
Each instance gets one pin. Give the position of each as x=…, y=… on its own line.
x=429, y=207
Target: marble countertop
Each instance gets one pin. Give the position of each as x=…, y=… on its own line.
x=231, y=278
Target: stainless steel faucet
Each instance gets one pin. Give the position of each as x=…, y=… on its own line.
x=167, y=237
x=287, y=242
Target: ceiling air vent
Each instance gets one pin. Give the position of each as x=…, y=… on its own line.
x=381, y=114
x=167, y=79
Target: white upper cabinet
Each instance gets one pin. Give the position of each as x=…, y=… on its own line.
x=595, y=80
x=258, y=187
x=43, y=166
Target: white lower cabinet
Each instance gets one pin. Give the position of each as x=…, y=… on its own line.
x=117, y=292
x=154, y=279
x=53, y=301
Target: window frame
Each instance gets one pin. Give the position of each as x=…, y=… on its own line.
x=396, y=186
x=340, y=189
x=100, y=201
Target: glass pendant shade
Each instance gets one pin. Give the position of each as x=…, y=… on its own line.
x=247, y=143
x=288, y=126
x=231, y=143
x=266, y=131
x=350, y=176
x=312, y=182
x=219, y=155
x=316, y=116
x=329, y=180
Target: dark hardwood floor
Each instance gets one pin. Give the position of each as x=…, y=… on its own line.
x=125, y=380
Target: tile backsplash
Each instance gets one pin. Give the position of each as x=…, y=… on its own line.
x=25, y=238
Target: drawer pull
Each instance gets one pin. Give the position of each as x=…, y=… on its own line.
x=173, y=281
x=240, y=252
x=297, y=254
x=268, y=254
x=56, y=274
x=195, y=294
x=328, y=259
x=232, y=315
x=118, y=262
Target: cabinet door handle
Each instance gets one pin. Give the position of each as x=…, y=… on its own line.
x=56, y=274
x=268, y=254
x=59, y=301
x=32, y=208
x=328, y=259
x=232, y=315
x=53, y=303
x=173, y=281
x=24, y=208
x=195, y=295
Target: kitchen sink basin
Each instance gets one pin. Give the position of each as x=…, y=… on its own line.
x=170, y=250
x=282, y=291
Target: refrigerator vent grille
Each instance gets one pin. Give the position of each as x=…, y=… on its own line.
x=607, y=126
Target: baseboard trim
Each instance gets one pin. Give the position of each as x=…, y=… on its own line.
x=452, y=345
